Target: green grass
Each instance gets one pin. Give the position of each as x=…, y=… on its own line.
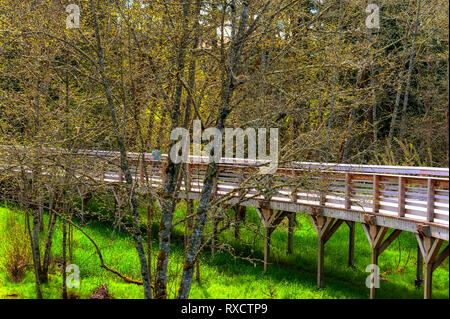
x=224, y=276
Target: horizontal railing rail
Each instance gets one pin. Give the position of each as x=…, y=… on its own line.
x=419, y=193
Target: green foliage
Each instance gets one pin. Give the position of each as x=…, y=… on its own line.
x=225, y=276
x=14, y=247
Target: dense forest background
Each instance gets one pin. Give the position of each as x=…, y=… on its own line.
x=338, y=92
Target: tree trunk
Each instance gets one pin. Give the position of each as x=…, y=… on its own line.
x=48, y=248
x=172, y=171
x=36, y=252
x=408, y=79
x=228, y=86
x=64, y=262
x=136, y=232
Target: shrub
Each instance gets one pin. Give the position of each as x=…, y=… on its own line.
x=16, y=251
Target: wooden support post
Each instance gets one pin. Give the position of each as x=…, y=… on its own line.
x=351, y=244
x=419, y=271
x=428, y=281
x=325, y=227
x=429, y=247
x=320, y=261
x=291, y=228
x=375, y=235
x=271, y=219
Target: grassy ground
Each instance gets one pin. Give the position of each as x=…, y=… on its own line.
x=224, y=276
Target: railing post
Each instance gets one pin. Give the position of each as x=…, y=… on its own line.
x=348, y=191
x=294, y=196
x=401, y=196
x=430, y=200
x=323, y=195
x=376, y=193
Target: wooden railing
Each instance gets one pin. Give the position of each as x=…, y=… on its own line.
x=368, y=189
x=418, y=193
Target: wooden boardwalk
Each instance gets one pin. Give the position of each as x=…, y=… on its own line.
x=412, y=199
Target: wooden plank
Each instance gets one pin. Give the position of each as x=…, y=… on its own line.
x=332, y=230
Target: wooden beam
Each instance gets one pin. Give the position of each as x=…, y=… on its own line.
x=424, y=230
x=380, y=233
x=351, y=244
x=419, y=270
x=265, y=216
x=440, y=258
x=276, y=218
x=389, y=241
x=332, y=230
x=430, y=249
